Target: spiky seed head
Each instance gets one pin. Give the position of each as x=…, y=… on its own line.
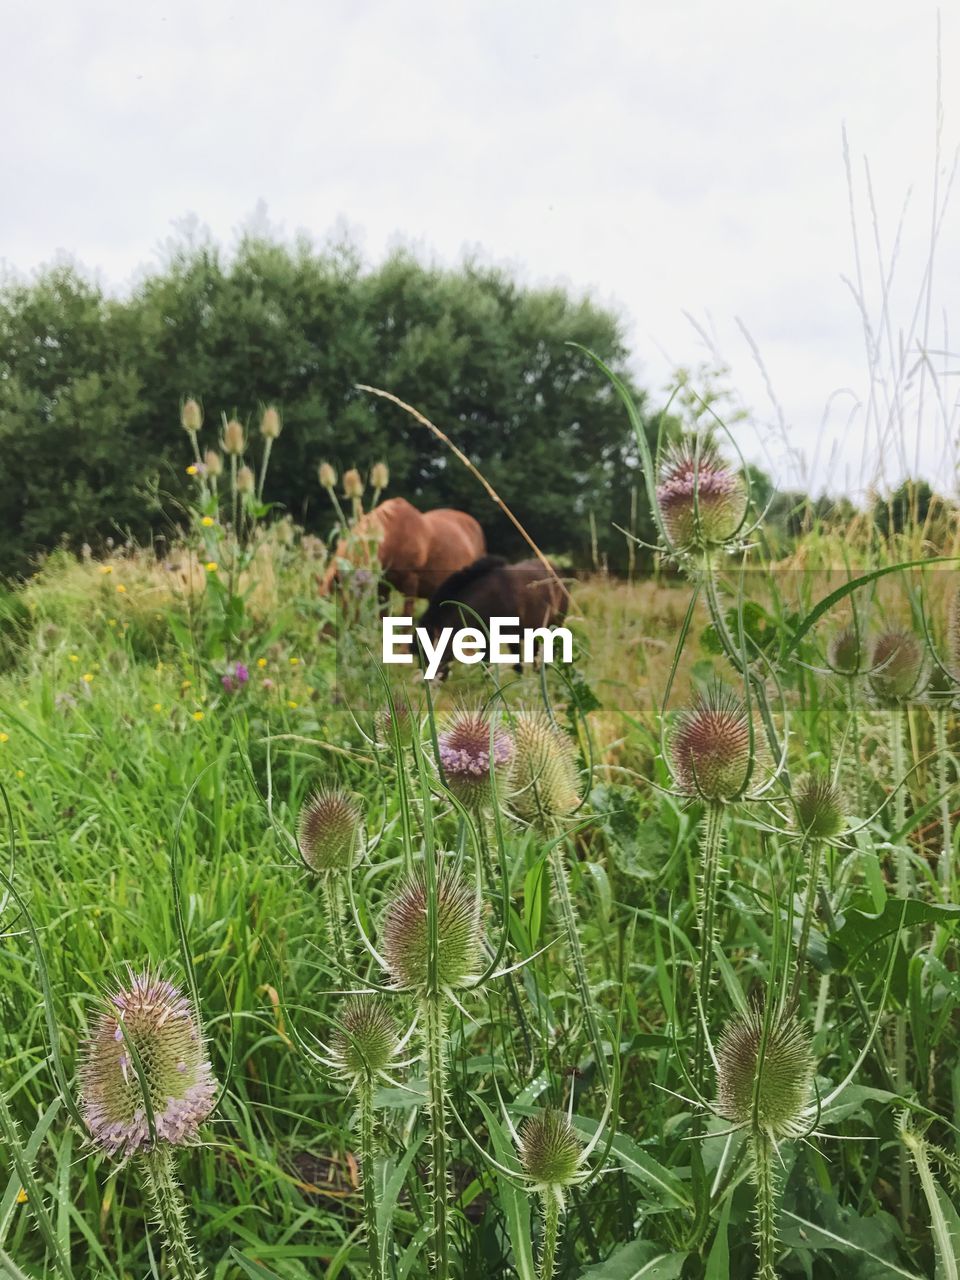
x=365, y=1039
x=406, y=933
x=234, y=438
x=191, y=415
x=846, y=651
x=271, y=424
x=709, y=747
x=543, y=780
x=352, y=484
x=379, y=475
x=897, y=667
x=246, y=480
x=550, y=1150
x=820, y=808
x=326, y=475
x=466, y=756
x=212, y=463
x=385, y=719
x=328, y=830
x=147, y=1021
x=782, y=1082
x=702, y=499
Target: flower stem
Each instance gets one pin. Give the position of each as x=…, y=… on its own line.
x=169, y=1211
x=711, y=848
x=552, y=1210
x=761, y=1150
x=814, y=851
x=569, y=916
x=331, y=902
x=946, y=1250
x=435, y=1018
x=899, y=801
x=368, y=1177
x=943, y=786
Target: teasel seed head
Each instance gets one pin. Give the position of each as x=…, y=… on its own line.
x=212, y=463
x=328, y=831
x=847, y=651
x=246, y=480
x=466, y=757
x=384, y=720
x=234, y=438
x=702, y=499
x=709, y=746
x=550, y=1150
x=543, y=779
x=191, y=416
x=379, y=475
x=352, y=484
x=150, y=1020
x=897, y=667
x=326, y=475
x=406, y=933
x=819, y=804
x=366, y=1037
x=785, y=1074
x=271, y=424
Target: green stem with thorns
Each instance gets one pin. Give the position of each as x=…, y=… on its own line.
x=552, y=1211
x=331, y=901
x=569, y=916
x=903, y=890
x=762, y=1156
x=814, y=852
x=945, y=869
x=435, y=1020
x=711, y=848
x=169, y=1210
x=855, y=738
x=946, y=1248
x=368, y=1177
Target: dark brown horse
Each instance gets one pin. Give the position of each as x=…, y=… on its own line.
x=489, y=588
x=416, y=550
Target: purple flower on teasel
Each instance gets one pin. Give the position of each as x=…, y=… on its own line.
x=469, y=753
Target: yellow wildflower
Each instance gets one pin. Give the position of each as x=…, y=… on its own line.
x=21, y=773
x=111, y=622
x=4, y=737
x=88, y=676
x=185, y=684
x=207, y=521
x=73, y=657
x=21, y=1196
x=157, y=706
x=261, y=662
x=121, y=588
x=106, y=568
x=192, y=469
x=292, y=705
x=198, y=716
x=294, y=662
x=211, y=566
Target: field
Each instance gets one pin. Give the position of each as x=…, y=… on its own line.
x=675, y=997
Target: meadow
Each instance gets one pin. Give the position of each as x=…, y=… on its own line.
x=644, y=967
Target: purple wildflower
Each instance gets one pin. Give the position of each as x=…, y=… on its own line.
x=465, y=754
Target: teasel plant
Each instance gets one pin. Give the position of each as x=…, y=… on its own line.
x=820, y=817
x=940, y=695
x=924, y=1155
x=146, y=1087
x=848, y=659
x=271, y=424
x=330, y=841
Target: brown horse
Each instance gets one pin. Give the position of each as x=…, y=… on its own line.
x=416, y=550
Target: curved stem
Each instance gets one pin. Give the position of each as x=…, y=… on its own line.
x=569, y=916
x=711, y=847
x=552, y=1210
x=268, y=444
x=435, y=1022
x=368, y=1178
x=764, y=1178
x=814, y=851
x=169, y=1211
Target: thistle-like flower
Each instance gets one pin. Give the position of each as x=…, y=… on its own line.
x=847, y=651
x=379, y=475
x=328, y=829
x=459, y=933
x=709, y=748
x=327, y=476
x=353, y=484
x=769, y=1094
x=898, y=667
x=819, y=806
x=702, y=499
x=246, y=480
x=365, y=1039
x=191, y=416
x=471, y=752
x=234, y=438
x=543, y=780
x=384, y=721
x=551, y=1154
x=213, y=463
x=147, y=1035
x=271, y=423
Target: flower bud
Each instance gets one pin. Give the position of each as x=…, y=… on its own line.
x=543, y=779
x=771, y=1095
x=550, y=1150
x=709, y=747
x=819, y=806
x=352, y=484
x=246, y=480
x=406, y=933
x=234, y=439
x=384, y=721
x=465, y=754
x=271, y=423
x=213, y=463
x=702, y=500
x=328, y=830
x=148, y=1035
x=846, y=651
x=897, y=667
x=326, y=475
x=379, y=475
x=366, y=1038
x=191, y=416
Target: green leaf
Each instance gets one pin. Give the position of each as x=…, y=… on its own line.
x=514, y=1202
x=252, y=1268
x=718, y=1260
x=862, y=929
x=639, y=1260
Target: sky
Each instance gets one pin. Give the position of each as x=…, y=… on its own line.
x=682, y=163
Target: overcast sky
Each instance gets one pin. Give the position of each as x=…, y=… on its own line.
x=678, y=160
